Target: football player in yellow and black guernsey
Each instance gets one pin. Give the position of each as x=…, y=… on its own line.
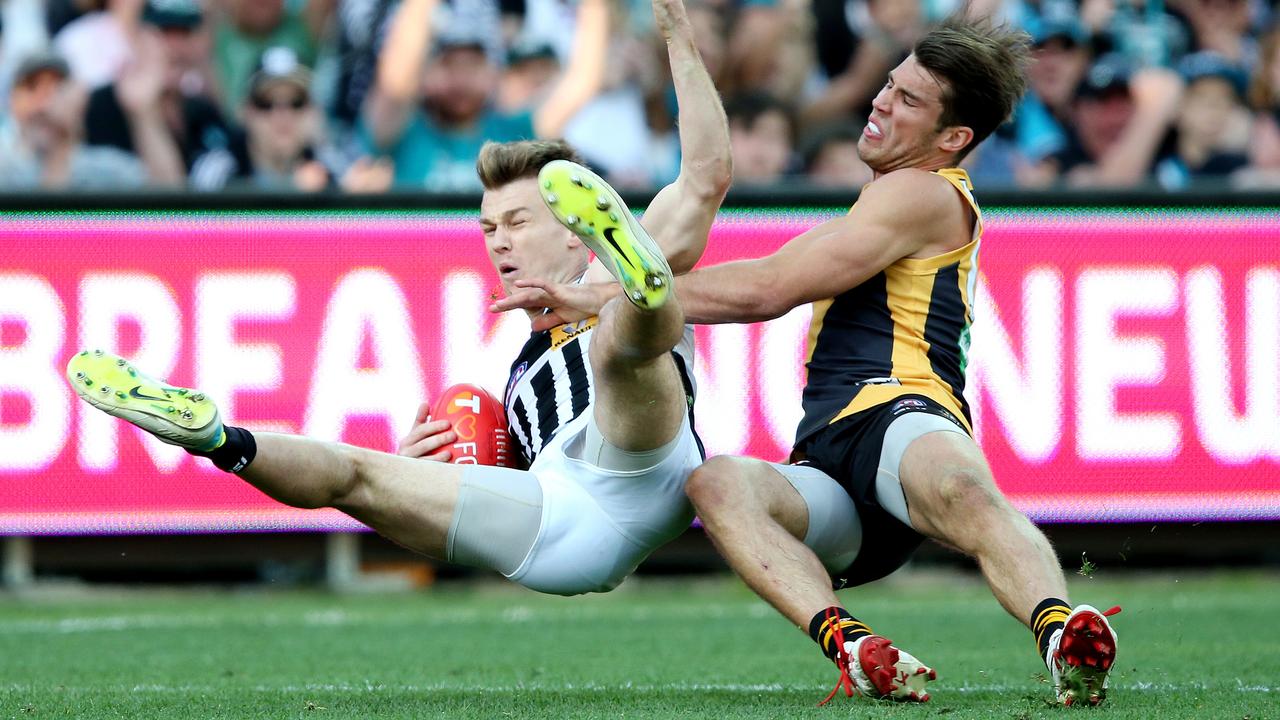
x=884, y=456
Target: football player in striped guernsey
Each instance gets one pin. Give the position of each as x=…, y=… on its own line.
x=601, y=410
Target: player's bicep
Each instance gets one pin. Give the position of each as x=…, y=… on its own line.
x=680, y=222
x=839, y=255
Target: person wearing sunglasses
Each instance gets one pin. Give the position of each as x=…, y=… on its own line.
x=282, y=142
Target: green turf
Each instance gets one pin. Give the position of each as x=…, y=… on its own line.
x=1192, y=647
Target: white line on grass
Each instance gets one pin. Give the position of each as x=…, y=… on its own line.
x=373, y=688
x=335, y=617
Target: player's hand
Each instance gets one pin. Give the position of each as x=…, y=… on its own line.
x=429, y=439
x=564, y=303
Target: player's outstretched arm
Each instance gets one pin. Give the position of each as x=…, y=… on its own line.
x=680, y=217
x=895, y=216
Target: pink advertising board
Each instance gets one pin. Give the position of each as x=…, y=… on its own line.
x=1125, y=366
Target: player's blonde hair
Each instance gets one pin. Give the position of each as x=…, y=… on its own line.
x=503, y=163
x=984, y=66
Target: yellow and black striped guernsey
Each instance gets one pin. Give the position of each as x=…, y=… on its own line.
x=903, y=331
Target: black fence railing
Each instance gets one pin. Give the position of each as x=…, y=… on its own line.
x=780, y=196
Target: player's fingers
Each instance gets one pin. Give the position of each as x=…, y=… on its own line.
x=419, y=433
x=443, y=456
x=520, y=300
x=429, y=445
x=424, y=411
x=424, y=429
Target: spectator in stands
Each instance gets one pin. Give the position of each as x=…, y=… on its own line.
x=1119, y=120
x=360, y=28
x=281, y=147
x=162, y=95
x=883, y=32
x=250, y=27
x=762, y=132
x=40, y=140
x=755, y=43
x=1060, y=56
x=1219, y=26
x=97, y=45
x=831, y=155
x=531, y=69
x=1211, y=130
x=1146, y=35
x=22, y=32
x=432, y=121
x=1264, y=98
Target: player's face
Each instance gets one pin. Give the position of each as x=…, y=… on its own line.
x=902, y=130
x=523, y=238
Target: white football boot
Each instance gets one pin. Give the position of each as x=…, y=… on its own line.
x=1081, y=656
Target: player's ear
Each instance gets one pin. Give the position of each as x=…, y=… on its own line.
x=955, y=138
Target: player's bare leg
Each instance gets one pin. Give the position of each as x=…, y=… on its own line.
x=953, y=498
x=640, y=399
x=409, y=501
x=756, y=519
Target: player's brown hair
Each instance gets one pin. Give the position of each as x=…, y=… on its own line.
x=984, y=69
x=503, y=163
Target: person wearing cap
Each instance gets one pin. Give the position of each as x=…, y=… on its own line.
x=531, y=67
x=1059, y=57
x=249, y=27
x=160, y=106
x=280, y=146
x=40, y=139
x=430, y=115
x=1210, y=133
x=1118, y=121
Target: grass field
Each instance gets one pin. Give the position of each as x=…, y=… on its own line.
x=1192, y=646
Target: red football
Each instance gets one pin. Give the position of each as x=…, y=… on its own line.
x=480, y=423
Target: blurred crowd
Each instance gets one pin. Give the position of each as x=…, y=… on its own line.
x=367, y=95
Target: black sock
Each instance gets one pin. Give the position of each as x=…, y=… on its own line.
x=237, y=450
x=1049, y=616
x=822, y=626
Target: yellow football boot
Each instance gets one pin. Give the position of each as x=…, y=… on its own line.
x=585, y=204
x=178, y=416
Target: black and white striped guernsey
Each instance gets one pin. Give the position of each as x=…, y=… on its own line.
x=551, y=383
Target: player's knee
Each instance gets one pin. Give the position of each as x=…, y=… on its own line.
x=969, y=492
x=717, y=484
x=620, y=346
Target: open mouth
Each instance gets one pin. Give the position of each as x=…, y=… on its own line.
x=507, y=270
x=873, y=130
